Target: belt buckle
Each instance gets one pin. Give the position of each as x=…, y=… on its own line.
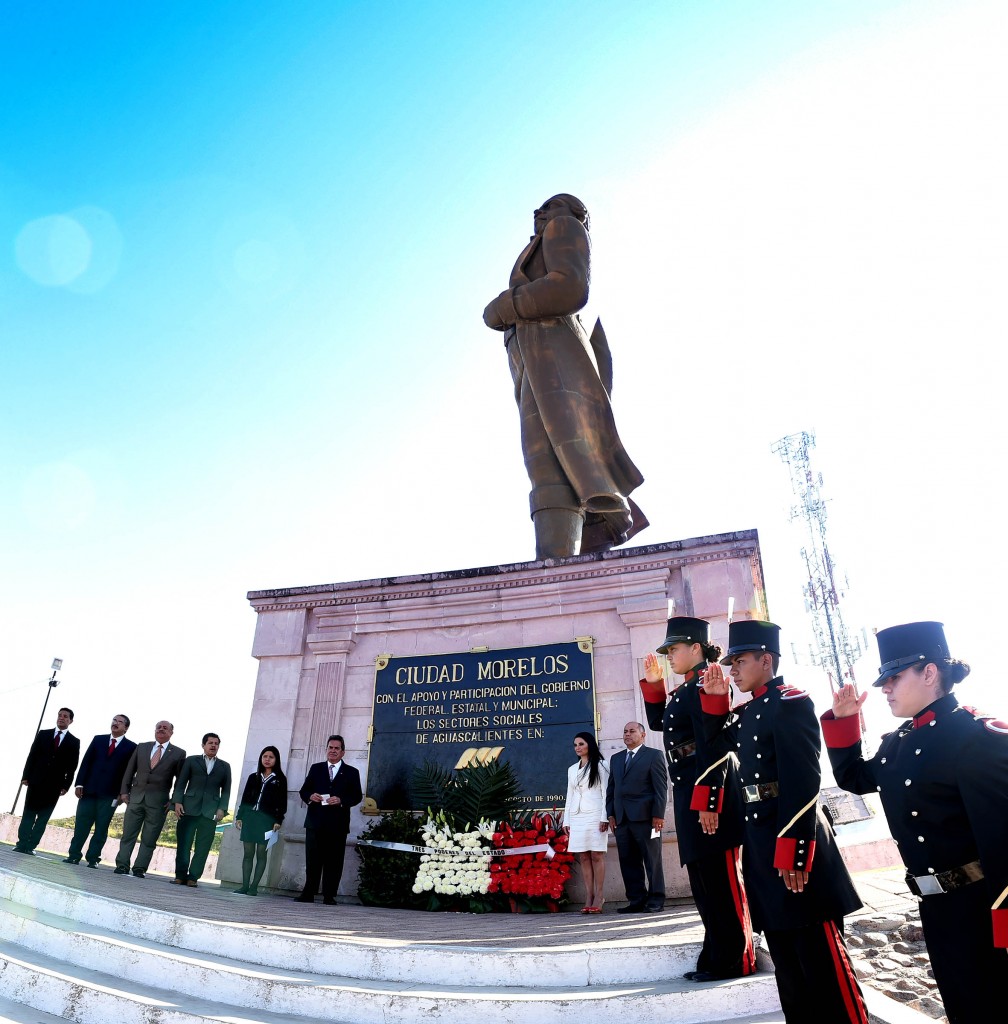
x=751, y=794
x=929, y=885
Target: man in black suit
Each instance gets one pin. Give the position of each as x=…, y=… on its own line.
x=48, y=773
x=635, y=804
x=97, y=790
x=330, y=789
x=201, y=797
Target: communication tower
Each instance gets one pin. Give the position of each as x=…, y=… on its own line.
x=834, y=651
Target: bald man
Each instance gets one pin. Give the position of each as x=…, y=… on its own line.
x=147, y=782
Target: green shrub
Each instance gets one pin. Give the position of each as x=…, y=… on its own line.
x=168, y=835
x=386, y=876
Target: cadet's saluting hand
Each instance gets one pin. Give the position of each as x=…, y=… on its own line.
x=846, y=701
x=715, y=682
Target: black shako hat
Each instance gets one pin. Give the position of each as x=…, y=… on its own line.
x=684, y=630
x=752, y=635
x=914, y=643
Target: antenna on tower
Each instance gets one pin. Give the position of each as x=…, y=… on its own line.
x=834, y=651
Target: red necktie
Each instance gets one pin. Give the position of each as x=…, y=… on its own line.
x=111, y=748
x=55, y=741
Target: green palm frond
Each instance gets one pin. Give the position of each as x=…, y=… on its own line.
x=485, y=791
x=431, y=785
x=467, y=795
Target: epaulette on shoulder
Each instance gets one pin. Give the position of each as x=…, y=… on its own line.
x=990, y=723
x=791, y=692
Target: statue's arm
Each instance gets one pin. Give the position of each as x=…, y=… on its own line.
x=563, y=290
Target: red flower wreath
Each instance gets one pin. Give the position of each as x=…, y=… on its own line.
x=529, y=880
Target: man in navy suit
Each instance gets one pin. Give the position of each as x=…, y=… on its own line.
x=635, y=804
x=48, y=772
x=330, y=789
x=97, y=790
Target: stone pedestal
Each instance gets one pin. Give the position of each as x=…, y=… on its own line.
x=317, y=648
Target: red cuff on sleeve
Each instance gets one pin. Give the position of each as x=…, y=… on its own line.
x=719, y=704
x=794, y=855
x=654, y=693
x=840, y=732
x=707, y=799
x=1000, y=928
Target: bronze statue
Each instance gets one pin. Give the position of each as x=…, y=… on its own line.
x=580, y=472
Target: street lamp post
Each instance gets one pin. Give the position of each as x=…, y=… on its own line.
x=53, y=682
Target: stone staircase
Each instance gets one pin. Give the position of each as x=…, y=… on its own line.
x=162, y=955
x=67, y=954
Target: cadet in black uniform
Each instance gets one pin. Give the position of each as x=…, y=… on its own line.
x=705, y=799
x=943, y=780
x=798, y=885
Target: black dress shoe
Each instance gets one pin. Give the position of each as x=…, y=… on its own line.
x=631, y=908
x=121, y=871
x=71, y=860
x=304, y=899
x=93, y=863
x=702, y=976
x=655, y=908
x=139, y=874
x=329, y=901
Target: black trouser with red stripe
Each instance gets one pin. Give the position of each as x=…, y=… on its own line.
x=716, y=884
x=815, y=979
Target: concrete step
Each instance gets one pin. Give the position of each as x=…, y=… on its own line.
x=17, y=1013
x=573, y=965
x=43, y=985
x=74, y=955
x=91, y=959
x=140, y=984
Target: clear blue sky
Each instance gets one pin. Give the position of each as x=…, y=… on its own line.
x=246, y=248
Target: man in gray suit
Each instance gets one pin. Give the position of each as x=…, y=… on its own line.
x=201, y=799
x=146, y=783
x=635, y=805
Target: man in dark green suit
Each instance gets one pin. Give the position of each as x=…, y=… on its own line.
x=201, y=797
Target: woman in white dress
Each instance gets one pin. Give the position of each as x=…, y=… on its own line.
x=585, y=817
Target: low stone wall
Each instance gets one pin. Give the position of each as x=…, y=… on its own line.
x=867, y=856
x=57, y=840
